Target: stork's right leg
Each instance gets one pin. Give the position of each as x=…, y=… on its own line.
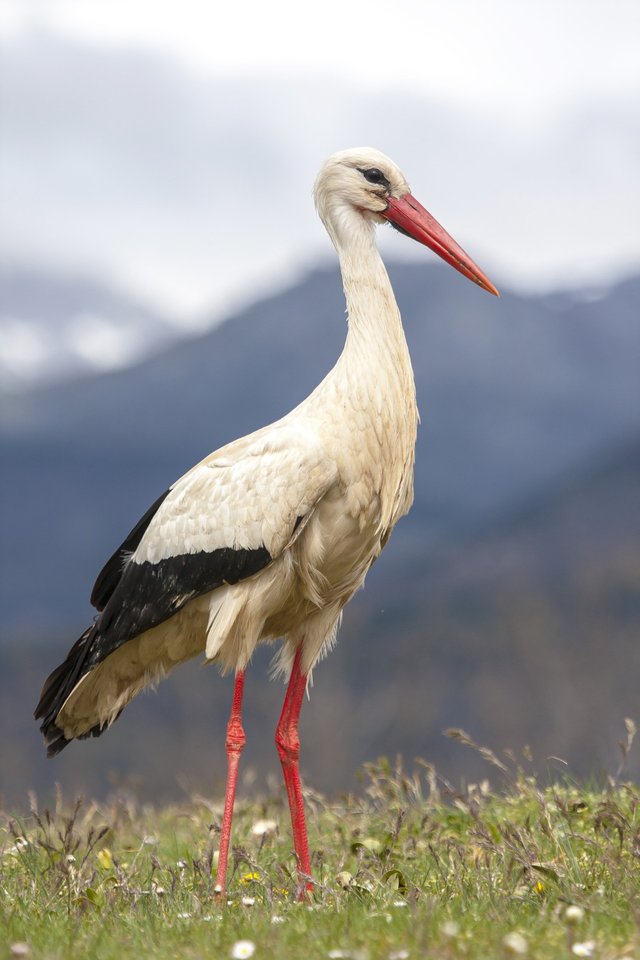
x=234, y=743
x=288, y=744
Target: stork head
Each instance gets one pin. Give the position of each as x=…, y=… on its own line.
x=359, y=188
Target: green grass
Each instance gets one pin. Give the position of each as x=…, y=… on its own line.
x=410, y=868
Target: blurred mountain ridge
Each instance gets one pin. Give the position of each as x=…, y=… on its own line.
x=56, y=327
x=513, y=394
x=522, y=633
x=507, y=602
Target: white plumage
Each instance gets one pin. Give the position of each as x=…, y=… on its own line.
x=269, y=537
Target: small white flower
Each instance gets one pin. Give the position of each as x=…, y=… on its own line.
x=150, y=841
x=158, y=890
x=243, y=949
x=584, y=949
x=71, y=858
x=573, y=915
x=181, y=864
x=399, y=955
x=21, y=843
x=276, y=918
x=338, y=954
x=515, y=944
x=399, y=903
x=184, y=916
x=248, y=901
x=450, y=929
x=260, y=827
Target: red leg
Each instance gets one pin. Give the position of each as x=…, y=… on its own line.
x=288, y=744
x=234, y=743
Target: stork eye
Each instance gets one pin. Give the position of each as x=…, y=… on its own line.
x=373, y=175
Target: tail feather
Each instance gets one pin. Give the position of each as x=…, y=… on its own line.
x=89, y=690
x=57, y=688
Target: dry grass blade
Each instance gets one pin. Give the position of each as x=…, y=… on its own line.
x=462, y=737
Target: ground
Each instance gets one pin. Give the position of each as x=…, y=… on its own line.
x=411, y=868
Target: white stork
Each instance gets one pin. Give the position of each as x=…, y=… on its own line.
x=271, y=535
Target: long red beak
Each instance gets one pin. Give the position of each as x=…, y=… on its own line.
x=410, y=217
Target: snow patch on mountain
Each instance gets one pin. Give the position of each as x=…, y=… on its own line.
x=56, y=327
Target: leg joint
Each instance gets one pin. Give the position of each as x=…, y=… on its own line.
x=288, y=744
x=236, y=738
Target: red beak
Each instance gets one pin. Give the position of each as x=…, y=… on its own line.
x=410, y=217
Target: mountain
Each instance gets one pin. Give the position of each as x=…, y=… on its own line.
x=56, y=327
x=526, y=632
x=506, y=603
x=513, y=394
x=523, y=633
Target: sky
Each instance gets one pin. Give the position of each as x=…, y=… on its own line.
x=462, y=50
x=170, y=148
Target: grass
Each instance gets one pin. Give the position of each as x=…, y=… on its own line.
x=411, y=868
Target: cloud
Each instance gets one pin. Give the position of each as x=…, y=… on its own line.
x=525, y=54
x=193, y=189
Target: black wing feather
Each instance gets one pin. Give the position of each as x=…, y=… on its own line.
x=149, y=593
x=109, y=576
x=132, y=598
x=143, y=596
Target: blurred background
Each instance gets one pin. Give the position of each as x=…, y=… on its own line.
x=166, y=286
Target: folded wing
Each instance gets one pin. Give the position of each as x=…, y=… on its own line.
x=222, y=522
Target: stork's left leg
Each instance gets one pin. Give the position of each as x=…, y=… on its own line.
x=235, y=742
x=288, y=744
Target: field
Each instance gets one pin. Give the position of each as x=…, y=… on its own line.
x=410, y=868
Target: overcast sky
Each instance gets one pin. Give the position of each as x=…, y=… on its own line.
x=531, y=54
x=171, y=147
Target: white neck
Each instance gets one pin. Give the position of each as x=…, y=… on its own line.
x=374, y=375
x=375, y=327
